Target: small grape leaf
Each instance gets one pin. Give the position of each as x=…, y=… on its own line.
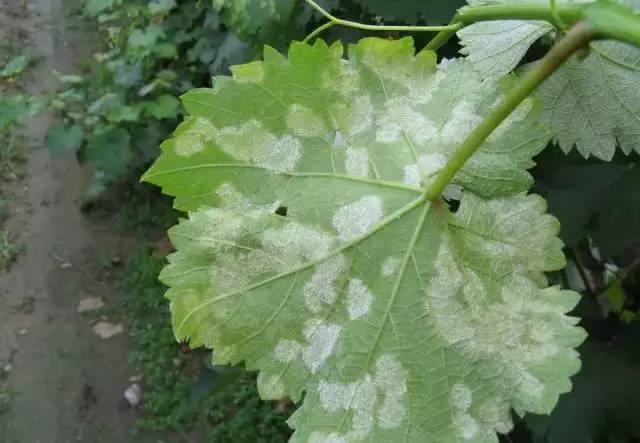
x=593, y=103
x=109, y=152
x=14, y=66
x=95, y=7
x=251, y=17
x=496, y=47
x=590, y=103
x=398, y=318
x=61, y=139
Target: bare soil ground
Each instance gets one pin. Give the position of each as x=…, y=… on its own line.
x=67, y=383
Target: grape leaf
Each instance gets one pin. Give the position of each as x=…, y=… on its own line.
x=593, y=104
x=94, y=7
x=320, y=262
x=496, y=47
x=249, y=17
x=14, y=66
x=109, y=152
x=590, y=103
x=61, y=139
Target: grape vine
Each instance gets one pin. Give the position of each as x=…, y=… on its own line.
x=359, y=229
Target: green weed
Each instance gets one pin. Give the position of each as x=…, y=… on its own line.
x=180, y=390
x=156, y=353
x=8, y=250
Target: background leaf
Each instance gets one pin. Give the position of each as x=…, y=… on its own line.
x=61, y=139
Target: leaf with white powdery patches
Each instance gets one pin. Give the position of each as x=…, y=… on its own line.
x=398, y=319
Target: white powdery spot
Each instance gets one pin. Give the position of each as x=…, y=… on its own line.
x=358, y=397
x=345, y=82
x=250, y=142
x=411, y=175
x=321, y=289
x=466, y=426
x=431, y=164
x=194, y=133
x=391, y=381
x=390, y=266
x=354, y=118
x=530, y=384
x=303, y=122
x=357, y=162
x=296, y=243
x=416, y=126
x=231, y=198
x=358, y=217
x=270, y=387
x=362, y=405
x=335, y=395
x=287, y=350
x=186, y=145
x=461, y=122
x=359, y=299
x=322, y=338
x=388, y=131
x=281, y=155
x=461, y=399
x=322, y=437
x=339, y=142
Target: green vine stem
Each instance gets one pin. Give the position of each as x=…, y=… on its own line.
x=578, y=37
x=351, y=24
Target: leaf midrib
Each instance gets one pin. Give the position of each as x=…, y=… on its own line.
x=382, y=183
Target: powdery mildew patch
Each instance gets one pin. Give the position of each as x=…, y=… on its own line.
x=461, y=398
x=322, y=339
x=322, y=288
x=195, y=132
x=390, y=266
x=251, y=143
x=357, y=162
x=304, y=122
x=378, y=398
x=359, y=299
x=357, y=218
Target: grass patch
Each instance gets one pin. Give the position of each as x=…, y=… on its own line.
x=156, y=354
x=8, y=250
x=182, y=392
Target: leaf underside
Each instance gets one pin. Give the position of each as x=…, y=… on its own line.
x=311, y=253
x=588, y=103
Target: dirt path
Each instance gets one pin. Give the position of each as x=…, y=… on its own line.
x=68, y=383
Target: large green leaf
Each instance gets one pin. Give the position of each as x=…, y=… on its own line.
x=320, y=262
